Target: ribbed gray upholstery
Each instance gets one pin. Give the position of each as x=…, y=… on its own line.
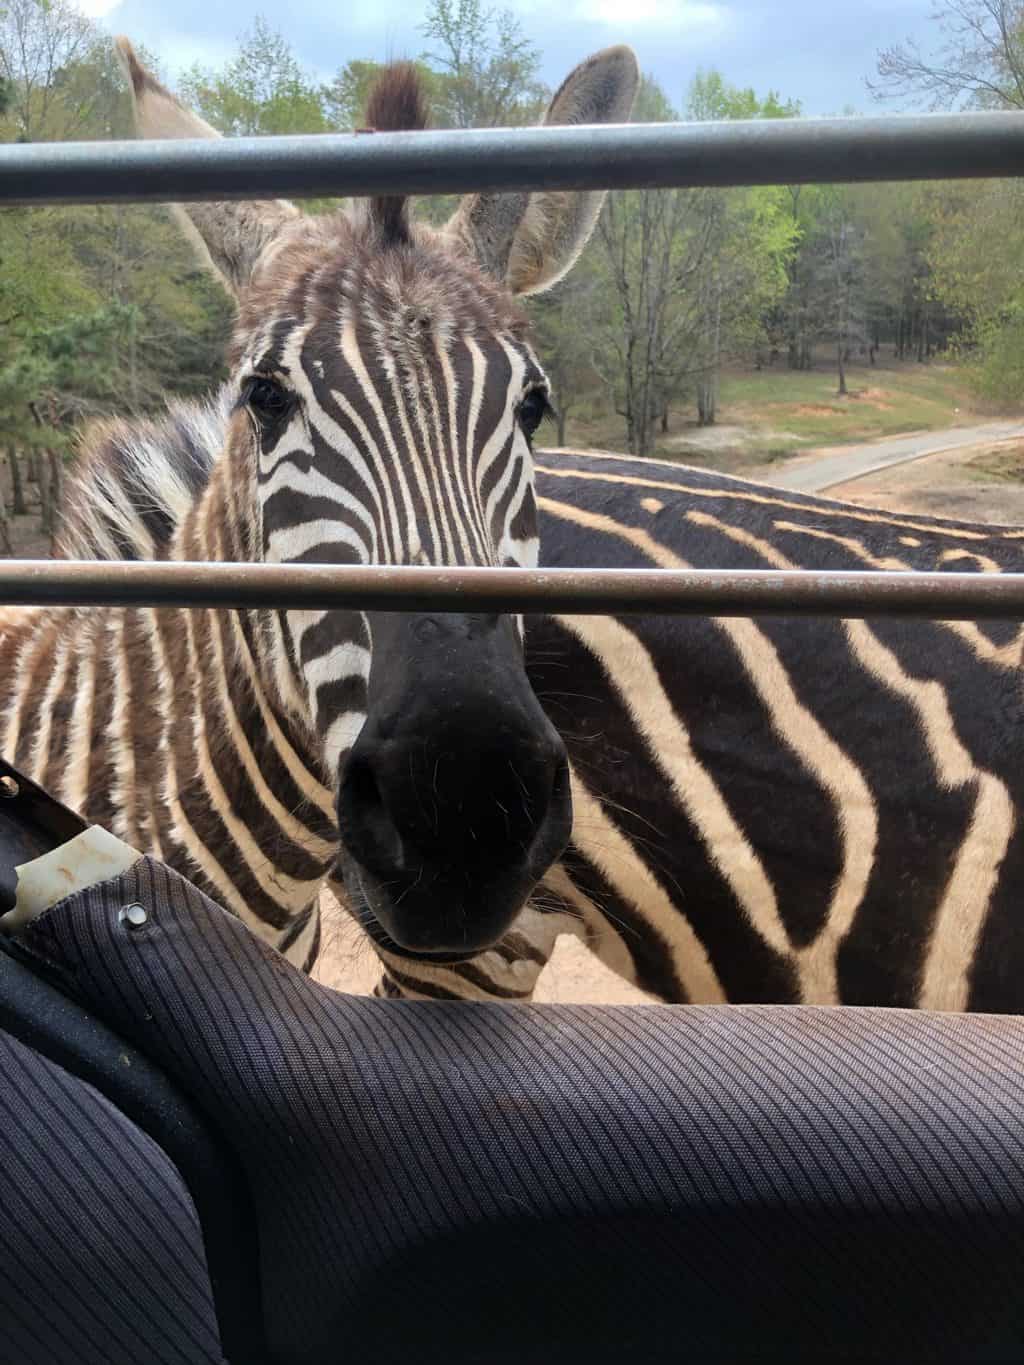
x=102, y=1255
x=482, y=1183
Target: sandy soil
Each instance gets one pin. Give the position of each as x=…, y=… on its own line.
x=959, y=483
x=573, y=976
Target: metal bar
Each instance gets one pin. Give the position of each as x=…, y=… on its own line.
x=747, y=152
x=701, y=592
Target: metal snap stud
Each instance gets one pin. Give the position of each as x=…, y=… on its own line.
x=135, y=916
x=8, y=787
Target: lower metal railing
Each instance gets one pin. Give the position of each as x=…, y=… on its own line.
x=680, y=592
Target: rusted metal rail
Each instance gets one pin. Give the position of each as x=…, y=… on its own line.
x=690, y=592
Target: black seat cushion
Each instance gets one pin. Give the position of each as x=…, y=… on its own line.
x=505, y=1183
x=103, y=1258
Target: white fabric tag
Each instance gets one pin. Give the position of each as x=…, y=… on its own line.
x=84, y=861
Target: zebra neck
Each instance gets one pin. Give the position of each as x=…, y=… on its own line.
x=239, y=778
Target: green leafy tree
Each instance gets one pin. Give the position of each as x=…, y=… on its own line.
x=751, y=238
x=101, y=309
x=974, y=254
x=262, y=90
x=562, y=320
x=688, y=278
x=969, y=251
x=486, y=67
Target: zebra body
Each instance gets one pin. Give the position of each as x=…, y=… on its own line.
x=157, y=723
x=782, y=809
x=764, y=810
x=791, y=810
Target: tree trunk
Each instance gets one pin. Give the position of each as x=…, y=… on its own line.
x=707, y=404
x=664, y=420
x=33, y=467
x=842, y=369
x=6, y=548
x=50, y=488
x=19, y=508
x=561, y=426
x=133, y=368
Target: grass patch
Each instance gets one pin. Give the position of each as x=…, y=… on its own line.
x=1003, y=463
x=883, y=401
x=768, y=415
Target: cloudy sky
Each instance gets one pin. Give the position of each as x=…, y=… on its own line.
x=817, y=51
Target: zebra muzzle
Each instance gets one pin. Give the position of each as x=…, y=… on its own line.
x=455, y=798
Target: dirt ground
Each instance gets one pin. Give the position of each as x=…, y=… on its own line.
x=573, y=976
x=980, y=483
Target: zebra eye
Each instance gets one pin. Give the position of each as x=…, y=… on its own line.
x=532, y=410
x=267, y=400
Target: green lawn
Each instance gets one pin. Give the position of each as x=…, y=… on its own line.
x=770, y=414
x=881, y=402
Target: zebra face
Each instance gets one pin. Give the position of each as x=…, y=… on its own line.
x=387, y=395
x=390, y=401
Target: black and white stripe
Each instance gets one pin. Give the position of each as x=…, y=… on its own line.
x=382, y=397
x=783, y=809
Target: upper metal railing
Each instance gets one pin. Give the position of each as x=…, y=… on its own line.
x=789, y=151
x=633, y=156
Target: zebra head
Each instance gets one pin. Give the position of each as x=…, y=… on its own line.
x=386, y=396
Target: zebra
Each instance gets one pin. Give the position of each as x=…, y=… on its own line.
x=382, y=401
x=782, y=810
x=773, y=810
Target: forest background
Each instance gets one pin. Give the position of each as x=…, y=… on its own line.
x=795, y=313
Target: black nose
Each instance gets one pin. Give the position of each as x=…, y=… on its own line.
x=455, y=799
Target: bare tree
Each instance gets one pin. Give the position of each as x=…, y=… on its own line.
x=564, y=338
x=19, y=507
x=655, y=243
x=40, y=39
x=487, y=66
x=841, y=256
x=979, y=61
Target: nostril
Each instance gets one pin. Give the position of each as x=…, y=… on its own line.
x=367, y=825
x=554, y=829
x=547, y=786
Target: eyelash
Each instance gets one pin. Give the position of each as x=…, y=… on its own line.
x=546, y=411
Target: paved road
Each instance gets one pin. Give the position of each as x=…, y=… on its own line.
x=841, y=464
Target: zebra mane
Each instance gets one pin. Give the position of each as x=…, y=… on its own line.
x=397, y=103
x=134, y=482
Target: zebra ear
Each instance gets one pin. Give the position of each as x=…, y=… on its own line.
x=228, y=236
x=529, y=241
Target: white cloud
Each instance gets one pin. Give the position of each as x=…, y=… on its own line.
x=98, y=9
x=674, y=14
